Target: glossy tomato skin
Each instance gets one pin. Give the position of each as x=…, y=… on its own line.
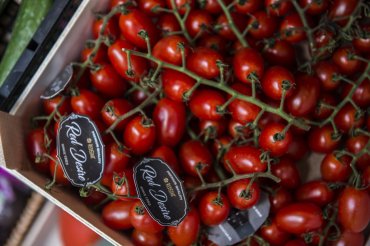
x=187, y=231
x=123, y=183
x=111, y=28
x=322, y=140
x=279, y=199
x=291, y=28
x=116, y=160
x=361, y=96
x=167, y=154
x=215, y=42
x=100, y=56
x=342, y=10
x=247, y=61
x=87, y=103
x=118, y=59
x=348, y=238
x=345, y=63
x=322, y=112
x=353, y=212
x=278, y=8
x=132, y=23
x=181, y=5
x=224, y=29
x=346, y=118
x=148, y=7
x=140, y=238
x=239, y=198
x=248, y=7
x=263, y=25
x=355, y=144
x=325, y=71
x=167, y=23
x=203, y=104
x=286, y=169
x=142, y=221
x=116, y=214
x=203, y=61
x=281, y=53
x=137, y=137
x=317, y=192
x=305, y=96
x=212, y=127
x=244, y=159
x=170, y=119
x=197, y=22
x=213, y=7
x=298, y=218
x=273, y=80
x=113, y=109
x=191, y=154
x=175, y=84
x=313, y=7
x=64, y=108
x=269, y=142
x=273, y=234
x=334, y=169
x=107, y=81
x=213, y=209
x=167, y=49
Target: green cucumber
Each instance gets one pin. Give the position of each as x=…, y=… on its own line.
x=29, y=17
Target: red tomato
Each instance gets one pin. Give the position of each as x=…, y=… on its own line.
x=99, y=57
x=118, y=58
x=245, y=62
x=123, y=183
x=167, y=155
x=248, y=7
x=132, y=23
x=279, y=199
x=341, y=10
x=111, y=29
x=214, y=42
x=167, y=49
x=60, y=178
x=203, y=104
x=55, y=103
x=298, y=148
x=273, y=234
x=212, y=127
x=142, y=221
x=313, y=7
x=270, y=141
x=361, y=43
x=186, y=233
x=213, y=7
x=346, y=64
x=107, y=81
x=169, y=118
x=239, y=197
x=175, y=84
x=116, y=214
x=317, y=192
x=191, y=154
x=116, y=160
x=36, y=148
x=346, y=119
x=140, y=238
x=203, y=61
x=95, y=197
x=305, y=96
x=87, y=103
x=244, y=159
x=278, y=7
x=288, y=173
x=224, y=29
x=322, y=112
x=274, y=80
x=213, y=208
x=138, y=137
x=353, y=209
x=322, y=139
x=148, y=6
x=325, y=71
x=291, y=28
x=335, y=170
x=237, y=129
x=181, y=5
x=263, y=25
x=298, y=218
x=168, y=23
x=281, y=53
x=348, y=238
x=355, y=144
x=197, y=22
x=113, y=109
x=361, y=96
x=296, y=242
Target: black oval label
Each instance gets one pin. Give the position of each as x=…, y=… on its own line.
x=161, y=191
x=80, y=150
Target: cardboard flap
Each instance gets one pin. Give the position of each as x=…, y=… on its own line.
x=11, y=141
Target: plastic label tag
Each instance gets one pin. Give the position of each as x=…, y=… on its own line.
x=59, y=83
x=80, y=150
x=161, y=191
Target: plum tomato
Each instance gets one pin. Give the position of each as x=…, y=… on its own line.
x=272, y=233
x=111, y=28
x=279, y=198
x=167, y=49
x=291, y=28
x=248, y=7
x=223, y=29
x=246, y=63
x=326, y=72
x=167, y=23
x=277, y=79
x=348, y=118
x=87, y=103
x=116, y=214
x=313, y=7
x=175, y=84
x=262, y=25
x=274, y=140
x=122, y=184
x=167, y=155
x=194, y=154
x=344, y=58
x=203, y=61
x=356, y=144
x=148, y=7
x=317, y=192
x=204, y=103
x=186, y=233
x=281, y=53
x=181, y=5
x=140, y=238
x=278, y=7
x=198, y=22
x=58, y=102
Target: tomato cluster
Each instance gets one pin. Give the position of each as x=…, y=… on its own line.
x=237, y=97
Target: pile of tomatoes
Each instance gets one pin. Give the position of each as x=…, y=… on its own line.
x=235, y=96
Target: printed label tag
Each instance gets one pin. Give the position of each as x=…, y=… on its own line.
x=161, y=191
x=80, y=150
x=59, y=83
x=241, y=224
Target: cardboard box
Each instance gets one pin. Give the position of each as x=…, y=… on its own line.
x=15, y=125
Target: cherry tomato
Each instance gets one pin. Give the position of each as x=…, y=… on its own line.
x=118, y=58
x=148, y=7
x=288, y=173
x=203, y=61
x=168, y=23
x=361, y=43
x=111, y=29
x=132, y=23
x=123, y=183
x=237, y=129
x=139, y=138
x=291, y=28
x=322, y=139
x=313, y=7
x=116, y=160
x=169, y=119
x=100, y=56
x=142, y=221
x=347, y=64
x=298, y=218
x=356, y=144
x=272, y=140
x=361, y=96
x=245, y=62
x=198, y=22
x=167, y=155
x=278, y=7
x=213, y=208
x=279, y=199
x=175, y=84
x=87, y=103
x=50, y=105
x=248, y=7
x=116, y=214
x=223, y=29
x=214, y=42
x=193, y=153
x=273, y=234
x=181, y=5
x=334, y=169
x=244, y=159
x=239, y=197
x=167, y=49
x=341, y=10
x=213, y=128
x=275, y=80
x=317, y=192
x=213, y=7
x=298, y=148
x=353, y=212
x=325, y=71
x=348, y=238
x=95, y=197
x=203, y=104
x=280, y=52
x=186, y=233
x=140, y=238
x=113, y=109
x=321, y=111
x=347, y=119
x=262, y=25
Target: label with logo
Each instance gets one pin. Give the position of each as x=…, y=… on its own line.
x=161, y=191
x=241, y=224
x=80, y=150
x=59, y=83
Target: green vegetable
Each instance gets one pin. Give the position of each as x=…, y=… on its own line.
x=29, y=17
